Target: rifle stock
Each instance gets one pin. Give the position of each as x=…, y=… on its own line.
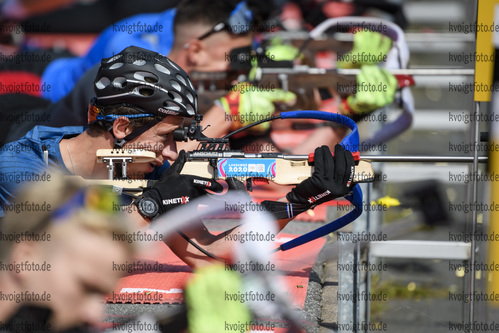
x=282, y=170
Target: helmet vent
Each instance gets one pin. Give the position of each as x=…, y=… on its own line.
x=145, y=76
x=146, y=91
x=162, y=69
x=102, y=83
x=189, y=96
x=175, y=85
x=171, y=106
x=116, y=57
x=176, y=97
x=119, y=82
x=180, y=78
x=116, y=65
x=139, y=62
x=172, y=64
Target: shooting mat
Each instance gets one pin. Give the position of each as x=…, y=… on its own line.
x=165, y=285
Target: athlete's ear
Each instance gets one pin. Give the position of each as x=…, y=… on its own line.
x=121, y=127
x=195, y=52
x=24, y=251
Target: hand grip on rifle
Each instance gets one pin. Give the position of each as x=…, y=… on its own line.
x=332, y=177
x=174, y=189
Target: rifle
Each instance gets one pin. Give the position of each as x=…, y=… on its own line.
x=214, y=159
x=300, y=79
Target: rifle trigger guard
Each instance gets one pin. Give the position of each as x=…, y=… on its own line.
x=249, y=185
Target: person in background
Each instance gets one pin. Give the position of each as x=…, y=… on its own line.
x=59, y=254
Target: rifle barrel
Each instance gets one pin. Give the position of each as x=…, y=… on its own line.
x=405, y=71
x=418, y=71
x=406, y=159
x=423, y=159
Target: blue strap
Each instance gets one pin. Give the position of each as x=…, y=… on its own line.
x=351, y=143
x=113, y=117
x=355, y=198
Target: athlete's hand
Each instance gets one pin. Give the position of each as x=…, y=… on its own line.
x=376, y=88
x=332, y=177
x=369, y=47
x=247, y=103
x=174, y=189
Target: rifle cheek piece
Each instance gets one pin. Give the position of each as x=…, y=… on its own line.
x=285, y=210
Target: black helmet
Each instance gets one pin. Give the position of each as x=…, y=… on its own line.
x=147, y=81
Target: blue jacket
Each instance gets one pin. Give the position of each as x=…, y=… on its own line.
x=149, y=31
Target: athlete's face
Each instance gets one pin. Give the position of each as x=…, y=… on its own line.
x=158, y=139
x=213, y=55
x=81, y=273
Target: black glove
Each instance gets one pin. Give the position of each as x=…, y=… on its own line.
x=173, y=189
x=331, y=179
